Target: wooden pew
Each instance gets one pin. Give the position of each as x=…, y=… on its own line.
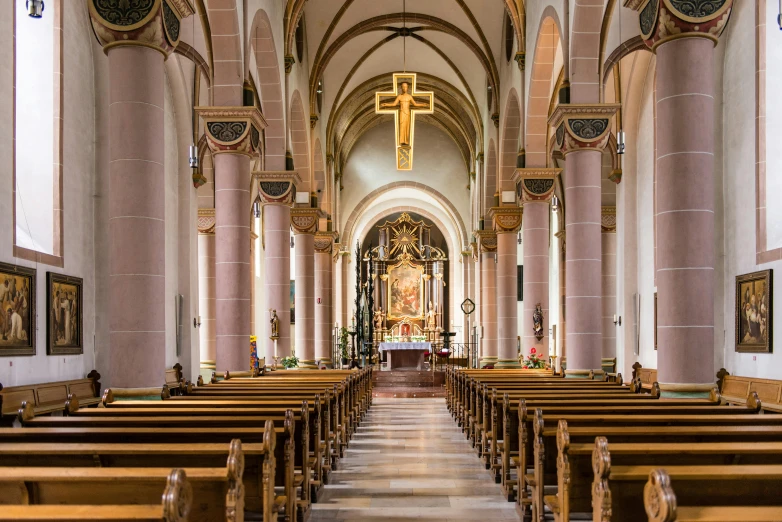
x=618, y=490
x=259, y=461
x=646, y=376
x=49, y=397
x=218, y=493
x=737, y=390
x=200, y=435
x=661, y=505
x=175, y=506
x=635, y=432
x=575, y=474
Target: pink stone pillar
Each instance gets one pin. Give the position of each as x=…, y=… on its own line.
x=685, y=211
x=468, y=272
x=488, y=302
x=277, y=277
x=536, y=275
x=346, y=306
x=507, y=308
x=323, y=300
x=137, y=296
x=609, y=283
x=206, y=292
x=478, y=313
x=304, y=345
x=584, y=259
x=232, y=261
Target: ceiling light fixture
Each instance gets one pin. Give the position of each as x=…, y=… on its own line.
x=34, y=8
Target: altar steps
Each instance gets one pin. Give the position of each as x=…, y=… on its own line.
x=408, y=383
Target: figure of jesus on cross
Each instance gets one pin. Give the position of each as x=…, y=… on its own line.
x=404, y=107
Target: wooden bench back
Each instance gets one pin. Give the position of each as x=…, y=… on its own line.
x=737, y=390
x=49, y=396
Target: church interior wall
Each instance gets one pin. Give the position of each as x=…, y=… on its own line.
x=78, y=195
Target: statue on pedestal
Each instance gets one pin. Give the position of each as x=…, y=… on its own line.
x=431, y=318
x=537, y=322
x=275, y=326
x=380, y=318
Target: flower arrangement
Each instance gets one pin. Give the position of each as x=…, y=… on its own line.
x=408, y=338
x=343, y=343
x=533, y=362
x=290, y=362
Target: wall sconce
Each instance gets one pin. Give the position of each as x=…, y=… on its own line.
x=620, y=142
x=519, y=236
x=617, y=320
x=193, y=156
x=555, y=203
x=197, y=322
x=257, y=208
x=34, y=8
x=292, y=245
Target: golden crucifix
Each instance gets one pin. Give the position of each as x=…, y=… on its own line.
x=402, y=103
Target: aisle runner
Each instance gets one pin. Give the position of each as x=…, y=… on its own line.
x=409, y=461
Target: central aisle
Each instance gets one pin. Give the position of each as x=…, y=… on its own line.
x=409, y=461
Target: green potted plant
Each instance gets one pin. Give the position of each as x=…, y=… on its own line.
x=290, y=362
x=343, y=345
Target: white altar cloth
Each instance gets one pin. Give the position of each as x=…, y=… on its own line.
x=405, y=346
x=406, y=356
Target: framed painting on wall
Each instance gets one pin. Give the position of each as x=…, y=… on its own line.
x=64, y=320
x=405, y=291
x=754, y=312
x=17, y=304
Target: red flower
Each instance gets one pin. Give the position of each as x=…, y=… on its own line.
x=533, y=350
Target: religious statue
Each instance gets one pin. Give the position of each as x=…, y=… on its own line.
x=379, y=319
x=537, y=322
x=275, y=326
x=404, y=101
x=431, y=318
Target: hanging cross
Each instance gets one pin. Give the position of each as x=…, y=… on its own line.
x=404, y=102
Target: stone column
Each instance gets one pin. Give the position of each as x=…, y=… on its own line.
x=233, y=135
x=347, y=276
x=468, y=273
x=323, y=297
x=488, y=247
x=137, y=298
x=608, y=224
x=582, y=132
x=477, y=318
x=684, y=42
x=206, y=288
x=507, y=221
x=536, y=186
x=277, y=191
x=305, y=224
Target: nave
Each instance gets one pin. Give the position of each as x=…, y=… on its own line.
x=409, y=461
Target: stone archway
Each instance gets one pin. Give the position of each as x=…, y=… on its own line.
x=540, y=92
x=509, y=146
x=300, y=142
x=490, y=178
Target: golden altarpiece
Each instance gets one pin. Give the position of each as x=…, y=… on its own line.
x=409, y=299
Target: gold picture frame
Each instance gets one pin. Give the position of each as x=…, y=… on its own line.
x=17, y=305
x=64, y=314
x=405, y=291
x=754, y=312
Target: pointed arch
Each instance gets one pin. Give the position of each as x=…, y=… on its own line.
x=509, y=146
x=585, y=51
x=268, y=69
x=227, y=48
x=300, y=142
x=540, y=91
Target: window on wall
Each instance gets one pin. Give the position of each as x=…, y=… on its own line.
x=300, y=39
x=37, y=131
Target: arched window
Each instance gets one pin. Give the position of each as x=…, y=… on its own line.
x=508, y=37
x=37, y=117
x=300, y=39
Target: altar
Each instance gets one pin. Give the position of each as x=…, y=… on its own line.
x=405, y=355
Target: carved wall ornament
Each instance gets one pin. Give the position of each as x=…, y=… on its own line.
x=275, y=188
x=608, y=219
x=124, y=14
x=304, y=221
x=697, y=9
x=538, y=186
x=171, y=23
x=324, y=242
x=506, y=219
x=487, y=240
x=560, y=134
x=255, y=137
x=647, y=18
x=206, y=221
x=588, y=129
x=227, y=131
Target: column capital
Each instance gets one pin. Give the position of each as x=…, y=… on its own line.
x=506, y=219
x=665, y=20
x=487, y=241
x=608, y=219
x=535, y=184
x=305, y=220
x=154, y=23
x=582, y=126
x=324, y=242
x=233, y=130
x=277, y=187
x=206, y=221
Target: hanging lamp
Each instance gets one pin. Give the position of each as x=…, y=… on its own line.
x=34, y=8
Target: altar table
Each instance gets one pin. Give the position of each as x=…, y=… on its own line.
x=405, y=356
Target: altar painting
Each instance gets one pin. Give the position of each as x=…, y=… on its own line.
x=405, y=291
